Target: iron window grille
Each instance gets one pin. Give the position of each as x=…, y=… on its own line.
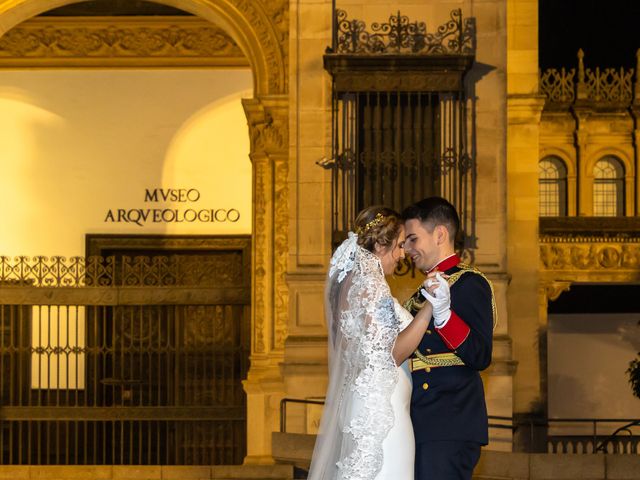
x=401, y=128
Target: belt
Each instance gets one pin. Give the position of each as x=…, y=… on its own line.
x=435, y=360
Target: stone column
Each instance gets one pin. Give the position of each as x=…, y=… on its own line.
x=268, y=129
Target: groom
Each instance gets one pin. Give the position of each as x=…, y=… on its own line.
x=448, y=409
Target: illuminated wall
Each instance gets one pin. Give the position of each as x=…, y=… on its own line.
x=121, y=151
x=588, y=357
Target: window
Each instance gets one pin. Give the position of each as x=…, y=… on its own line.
x=553, y=187
x=608, y=187
x=400, y=124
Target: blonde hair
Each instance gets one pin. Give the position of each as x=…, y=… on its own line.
x=377, y=224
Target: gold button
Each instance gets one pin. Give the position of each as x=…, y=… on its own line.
x=425, y=386
x=428, y=369
x=428, y=350
x=428, y=332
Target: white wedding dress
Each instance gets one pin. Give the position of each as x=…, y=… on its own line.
x=366, y=430
x=398, y=448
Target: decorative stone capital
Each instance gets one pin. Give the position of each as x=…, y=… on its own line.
x=268, y=127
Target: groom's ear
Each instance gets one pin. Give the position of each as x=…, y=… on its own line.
x=442, y=235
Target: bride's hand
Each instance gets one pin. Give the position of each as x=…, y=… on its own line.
x=431, y=283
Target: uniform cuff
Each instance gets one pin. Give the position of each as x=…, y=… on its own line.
x=454, y=332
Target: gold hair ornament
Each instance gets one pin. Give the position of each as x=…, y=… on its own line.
x=376, y=221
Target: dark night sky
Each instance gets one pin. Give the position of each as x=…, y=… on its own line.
x=607, y=30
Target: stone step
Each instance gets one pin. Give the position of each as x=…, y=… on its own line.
x=293, y=448
x=117, y=472
x=296, y=449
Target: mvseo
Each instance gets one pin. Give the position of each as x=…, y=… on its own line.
x=171, y=195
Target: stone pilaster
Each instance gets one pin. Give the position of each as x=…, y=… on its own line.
x=304, y=367
x=581, y=137
x=522, y=239
x=268, y=130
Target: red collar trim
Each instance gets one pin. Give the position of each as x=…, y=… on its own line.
x=447, y=263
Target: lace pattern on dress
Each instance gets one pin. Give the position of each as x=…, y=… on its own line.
x=370, y=323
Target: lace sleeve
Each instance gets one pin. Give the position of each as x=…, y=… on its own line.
x=403, y=315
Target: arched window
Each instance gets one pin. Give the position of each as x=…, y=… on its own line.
x=553, y=187
x=608, y=187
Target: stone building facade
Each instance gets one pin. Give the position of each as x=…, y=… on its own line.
x=514, y=124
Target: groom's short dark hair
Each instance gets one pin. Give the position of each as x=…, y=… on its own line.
x=434, y=211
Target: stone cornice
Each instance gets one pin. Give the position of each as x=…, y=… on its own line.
x=524, y=109
x=589, y=230
x=119, y=41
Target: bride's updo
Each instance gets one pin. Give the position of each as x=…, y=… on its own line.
x=377, y=224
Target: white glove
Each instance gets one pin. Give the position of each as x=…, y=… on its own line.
x=441, y=302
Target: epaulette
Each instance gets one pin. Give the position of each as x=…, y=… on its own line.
x=464, y=268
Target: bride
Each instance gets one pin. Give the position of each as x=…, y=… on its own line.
x=366, y=431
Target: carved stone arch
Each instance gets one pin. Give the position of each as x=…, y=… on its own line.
x=249, y=22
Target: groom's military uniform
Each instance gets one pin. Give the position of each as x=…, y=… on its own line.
x=448, y=408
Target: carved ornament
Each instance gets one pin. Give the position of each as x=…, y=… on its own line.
x=269, y=19
x=260, y=259
x=171, y=41
x=554, y=289
x=222, y=270
x=268, y=128
x=593, y=256
x=281, y=233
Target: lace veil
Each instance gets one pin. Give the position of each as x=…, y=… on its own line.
x=362, y=329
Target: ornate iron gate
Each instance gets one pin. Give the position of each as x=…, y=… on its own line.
x=129, y=360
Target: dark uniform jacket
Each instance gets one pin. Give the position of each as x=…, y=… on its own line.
x=448, y=402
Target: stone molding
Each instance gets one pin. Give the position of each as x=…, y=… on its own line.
x=376, y=81
x=524, y=109
x=118, y=41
